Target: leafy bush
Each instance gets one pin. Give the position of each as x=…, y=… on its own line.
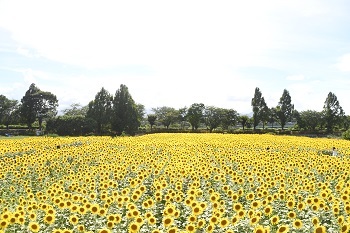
x=346, y=134
x=71, y=125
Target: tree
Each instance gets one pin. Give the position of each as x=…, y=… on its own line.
x=332, y=111
x=152, y=119
x=308, y=119
x=182, y=116
x=140, y=111
x=212, y=117
x=100, y=109
x=243, y=120
x=264, y=112
x=166, y=115
x=284, y=109
x=125, y=112
x=272, y=116
x=228, y=118
x=8, y=111
x=195, y=115
x=257, y=106
x=37, y=104
x=76, y=110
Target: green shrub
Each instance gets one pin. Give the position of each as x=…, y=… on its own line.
x=346, y=134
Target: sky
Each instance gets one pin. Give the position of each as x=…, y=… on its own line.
x=176, y=53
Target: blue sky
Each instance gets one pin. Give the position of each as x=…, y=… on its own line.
x=175, y=53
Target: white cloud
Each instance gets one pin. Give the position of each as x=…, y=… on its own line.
x=344, y=63
x=299, y=77
x=108, y=33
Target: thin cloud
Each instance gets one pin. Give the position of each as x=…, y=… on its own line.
x=344, y=63
x=299, y=77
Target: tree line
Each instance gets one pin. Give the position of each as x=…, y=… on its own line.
x=119, y=113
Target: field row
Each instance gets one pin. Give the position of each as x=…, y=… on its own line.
x=174, y=183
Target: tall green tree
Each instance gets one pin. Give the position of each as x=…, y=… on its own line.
x=100, y=109
x=309, y=119
x=257, y=106
x=212, y=117
x=228, y=118
x=152, y=119
x=243, y=120
x=284, y=109
x=38, y=105
x=272, y=116
x=125, y=112
x=332, y=111
x=264, y=112
x=140, y=112
x=166, y=115
x=76, y=109
x=182, y=116
x=195, y=115
x=8, y=111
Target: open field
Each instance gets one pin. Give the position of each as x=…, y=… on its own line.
x=174, y=183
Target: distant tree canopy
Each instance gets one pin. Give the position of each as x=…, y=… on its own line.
x=100, y=109
x=166, y=115
x=9, y=111
x=76, y=110
x=284, y=109
x=114, y=115
x=38, y=105
x=195, y=114
x=260, y=109
x=333, y=112
x=125, y=112
x=152, y=119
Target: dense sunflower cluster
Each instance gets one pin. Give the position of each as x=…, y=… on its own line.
x=174, y=183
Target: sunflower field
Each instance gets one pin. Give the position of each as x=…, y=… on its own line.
x=174, y=183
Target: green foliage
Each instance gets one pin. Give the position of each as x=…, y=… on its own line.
x=9, y=111
x=125, y=112
x=333, y=112
x=243, y=120
x=260, y=109
x=195, y=114
x=166, y=115
x=215, y=117
x=37, y=104
x=309, y=119
x=76, y=110
x=152, y=119
x=71, y=125
x=346, y=135
x=100, y=109
x=284, y=109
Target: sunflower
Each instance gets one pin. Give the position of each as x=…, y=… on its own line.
x=254, y=220
x=104, y=230
x=292, y=214
x=283, y=229
x=73, y=219
x=298, y=224
x=234, y=220
x=49, y=219
x=191, y=227
x=152, y=220
x=224, y=222
x=259, y=229
x=320, y=229
x=315, y=221
x=268, y=210
x=345, y=228
x=34, y=227
x=81, y=228
x=168, y=221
